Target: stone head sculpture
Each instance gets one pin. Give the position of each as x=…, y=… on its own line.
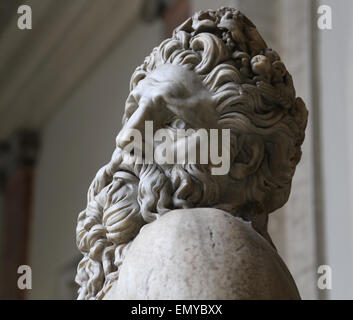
x=215, y=72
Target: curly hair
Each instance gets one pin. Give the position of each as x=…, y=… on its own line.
x=254, y=94
x=254, y=97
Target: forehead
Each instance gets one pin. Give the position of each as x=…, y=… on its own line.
x=174, y=75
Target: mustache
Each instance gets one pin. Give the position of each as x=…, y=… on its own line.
x=131, y=163
x=121, y=161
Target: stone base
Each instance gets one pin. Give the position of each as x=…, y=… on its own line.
x=202, y=254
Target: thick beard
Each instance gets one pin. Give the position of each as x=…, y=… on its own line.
x=122, y=198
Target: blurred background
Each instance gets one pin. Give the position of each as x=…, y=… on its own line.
x=63, y=86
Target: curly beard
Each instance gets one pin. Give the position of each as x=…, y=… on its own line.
x=123, y=197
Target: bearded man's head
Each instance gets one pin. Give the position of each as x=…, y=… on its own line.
x=215, y=72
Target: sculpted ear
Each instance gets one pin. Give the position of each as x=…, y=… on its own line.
x=249, y=157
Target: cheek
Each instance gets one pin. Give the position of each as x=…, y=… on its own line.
x=191, y=149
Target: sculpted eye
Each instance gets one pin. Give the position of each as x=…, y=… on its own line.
x=177, y=123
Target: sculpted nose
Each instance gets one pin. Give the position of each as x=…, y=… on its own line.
x=136, y=122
